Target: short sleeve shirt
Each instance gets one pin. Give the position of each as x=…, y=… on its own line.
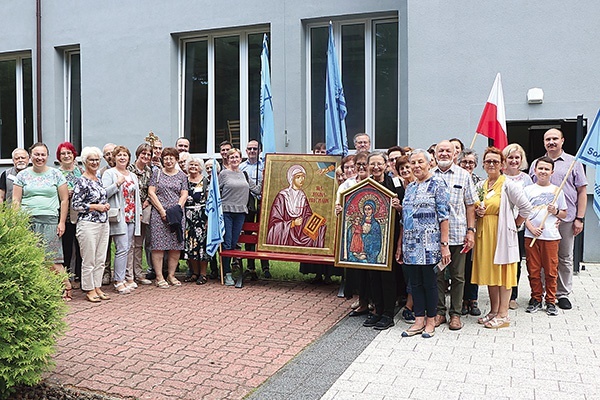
x=40, y=191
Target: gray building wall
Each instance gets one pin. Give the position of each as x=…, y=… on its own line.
x=450, y=53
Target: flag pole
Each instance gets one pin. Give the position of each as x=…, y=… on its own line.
x=221, y=264
x=473, y=142
x=560, y=188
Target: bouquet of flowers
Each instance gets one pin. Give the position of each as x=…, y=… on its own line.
x=481, y=194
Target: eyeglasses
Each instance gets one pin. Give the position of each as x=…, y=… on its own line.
x=252, y=148
x=361, y=165
x=362, y=142
x=349, y=167
x=491, y=162
x=465, y=162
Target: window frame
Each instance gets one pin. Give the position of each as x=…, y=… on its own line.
x=68, y=54
x=369, y=24
x=19, y=98
x=243, y=33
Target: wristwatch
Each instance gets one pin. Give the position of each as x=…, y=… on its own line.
x=444, y=243
x=471, y=229
x=580, y=219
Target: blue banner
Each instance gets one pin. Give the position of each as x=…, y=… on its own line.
x=335, y=104
x=215, y=229
x=589, y=154
x=267, y=125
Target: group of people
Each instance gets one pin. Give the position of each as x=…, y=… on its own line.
x=454, y=231
x=459, y=231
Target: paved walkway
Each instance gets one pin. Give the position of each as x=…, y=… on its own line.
x=537, y=357
x=220, y=343
x=192, y=342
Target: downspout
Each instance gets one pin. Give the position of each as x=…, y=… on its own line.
x=38, y=67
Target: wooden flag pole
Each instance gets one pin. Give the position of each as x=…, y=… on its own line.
x=221, y=265
x=560, y=188
x=473, y=142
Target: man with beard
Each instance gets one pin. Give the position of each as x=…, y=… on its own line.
x=576, y=196
x=20, y=158
x=462, y=231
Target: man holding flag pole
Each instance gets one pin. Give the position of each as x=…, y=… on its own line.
x=570, y=177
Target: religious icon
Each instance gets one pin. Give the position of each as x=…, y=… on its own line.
x=364, y=230
x=298, y=204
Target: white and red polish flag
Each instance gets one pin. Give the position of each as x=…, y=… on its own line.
x=493, y=119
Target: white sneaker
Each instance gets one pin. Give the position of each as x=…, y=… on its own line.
x=229, y=280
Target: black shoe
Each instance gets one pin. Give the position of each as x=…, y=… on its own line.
x=474, y=308
x=251, y=274
x=372, y=320
x=384, y=323
x=355, y=313
x=151, y=275
x=551, y=309
x=213, y=274
x=267, y=274
x=564, y=303
x=465, y=308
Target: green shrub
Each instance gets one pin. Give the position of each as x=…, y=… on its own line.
x=31, y=309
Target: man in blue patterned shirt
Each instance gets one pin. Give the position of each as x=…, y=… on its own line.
x=462, y=231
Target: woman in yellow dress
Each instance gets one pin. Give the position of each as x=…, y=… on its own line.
x=502, y=208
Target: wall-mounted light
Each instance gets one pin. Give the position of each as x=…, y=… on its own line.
x=535, y=96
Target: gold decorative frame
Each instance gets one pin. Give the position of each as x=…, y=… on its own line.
x=366, y=241
x=281, y=230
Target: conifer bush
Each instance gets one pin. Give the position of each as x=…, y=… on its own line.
x=31, y=308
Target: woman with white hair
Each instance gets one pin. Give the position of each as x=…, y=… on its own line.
x=235, y=189
x=195, y=220
x=90, y=199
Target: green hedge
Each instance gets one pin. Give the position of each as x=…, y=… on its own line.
x=31, y=309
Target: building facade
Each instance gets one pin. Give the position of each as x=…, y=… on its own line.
x=414, y=72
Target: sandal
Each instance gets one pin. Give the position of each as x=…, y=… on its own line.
x=67, y=294
x=174, y=281
x=162, y=284
x=121, y=288
x=497, y=323
x=103, y=296
x=191, y=278
x=486, y=319
x=92, y=299
x=201, y=280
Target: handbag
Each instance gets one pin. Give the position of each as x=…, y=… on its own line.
x=114, y=215
x=146, y=213
x=251, y=205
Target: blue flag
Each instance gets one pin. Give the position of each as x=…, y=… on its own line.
x=267, y=125
x=589, y=154
x=215, y=230
x=335, y=104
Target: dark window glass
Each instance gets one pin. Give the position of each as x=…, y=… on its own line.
x=353, y=78
x=386, y=84
x=227, y=85
x=254, y=52
x=196, y=95
x=318, y=68
x=8, y=107
x=75, y=99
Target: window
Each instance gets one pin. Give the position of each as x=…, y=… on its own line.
x=368, y=50
x=16, y=104
x=220, y=89
x=73, y=98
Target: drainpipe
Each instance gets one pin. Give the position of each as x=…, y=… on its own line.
x=38, y=67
